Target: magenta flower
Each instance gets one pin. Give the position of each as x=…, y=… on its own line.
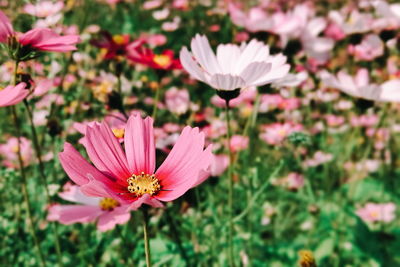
x=47, y=40
x=107, y=211
x=41, y=39
x=130, y=177
x=12, y=95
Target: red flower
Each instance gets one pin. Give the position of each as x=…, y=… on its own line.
x=164, y=61
x=114, y=45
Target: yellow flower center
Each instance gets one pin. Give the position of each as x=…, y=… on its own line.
x=306, y=259
x=108, y=204
x=143, y=184
x=119, y=133
x=119, y=39
x=162, y=60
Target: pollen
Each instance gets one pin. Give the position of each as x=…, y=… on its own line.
x=119, y=133
x=118, y=39
x=143, y=184
x=108, y=204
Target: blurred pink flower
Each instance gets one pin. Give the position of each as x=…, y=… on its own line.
x=239, y=143
x=293, y=181
x=233, y=67
x=374, y=212
x=107, y=211
x=43, y=9
x=370, y=48
x=47, y=40
x=219, y=164
x=130, y=176
x=360, y=86
x=333, y=120
x=177, y=101
x=42, y=39
x=276, y=133
x=9, y=152
x=12, y=95
x=318, y=159
x=364, y=120
x=256, y=19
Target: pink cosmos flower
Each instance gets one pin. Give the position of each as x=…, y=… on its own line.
x=318, y=158
x=233, y=66
x=293, y=181
x=9, y=150
x=130, y=177
x=44, y=9
x=42, y=39
x=370, y=48
x=177, y=101
x=219, y=164
x=12, y=95
x=360, y=86
x=107, y=211
x=375, y=212
x=276, y=133
x=239, y=143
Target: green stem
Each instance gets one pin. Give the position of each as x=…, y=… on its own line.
x=146, y=236
x=230, y=188
x=156, y=101
x=38, y=151
x=25, y=190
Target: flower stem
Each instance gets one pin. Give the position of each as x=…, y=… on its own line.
x=156, y=101
x=146, y=237
x=38, y=152
x=25, y=190
x=230, y=188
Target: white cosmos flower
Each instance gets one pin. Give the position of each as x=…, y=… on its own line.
x=233, y=66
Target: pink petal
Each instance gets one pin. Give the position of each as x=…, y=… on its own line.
x=47, y=40
x=105, y=152
x=6, y=28
x=145, y=199
x=139, y=145
x=69, y=214
x=74, y=194
x=109, y=219
x=77, y=168
x=12, y=95
x=181, y=169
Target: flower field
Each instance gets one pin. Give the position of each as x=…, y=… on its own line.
x=200, y=133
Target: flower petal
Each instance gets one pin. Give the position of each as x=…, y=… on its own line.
x=77, y=168
x=105, y=151
x=181, y=169
x=203, y=53
x=69, y=214
x=190, y=65
x=226, y=82
x=139, y=145
x=108, y=220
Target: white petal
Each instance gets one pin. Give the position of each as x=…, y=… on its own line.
x=226, y=82
x=227, y=55
x=203, y=53
x=190, y=65
x=255, y=71
x=390, y=91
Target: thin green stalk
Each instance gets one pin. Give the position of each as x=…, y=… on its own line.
x=25, y=190
x=146, y=237
x=38, y=151
x=156, y=101
x=230, y=188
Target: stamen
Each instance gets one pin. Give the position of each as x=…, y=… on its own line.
x=143, y=184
